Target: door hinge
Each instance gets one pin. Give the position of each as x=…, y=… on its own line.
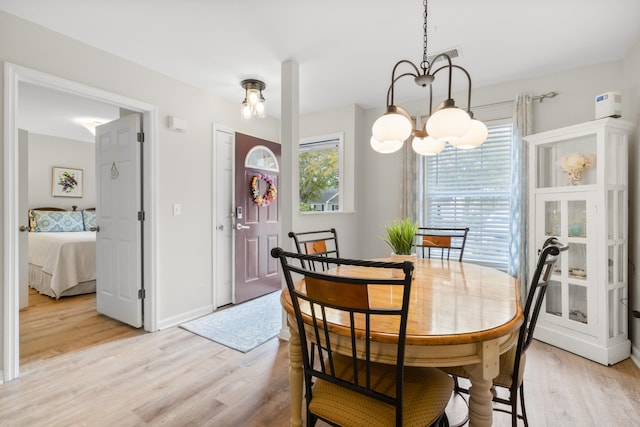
x=142, y=294
x=141, y=216
x=140, y=136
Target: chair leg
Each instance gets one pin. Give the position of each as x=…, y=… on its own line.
x=311, y=419
x=524, y=410
x=513, y=398
x=444, y=421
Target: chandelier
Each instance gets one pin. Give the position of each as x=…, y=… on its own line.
x=447, y=124
x=253, y=104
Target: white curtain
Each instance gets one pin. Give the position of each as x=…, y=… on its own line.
x=409, y=207
x=519, y=227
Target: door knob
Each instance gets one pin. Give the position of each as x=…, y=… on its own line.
x=96, y=229
x=241, y=227
x=23, y=228
x=220, y=227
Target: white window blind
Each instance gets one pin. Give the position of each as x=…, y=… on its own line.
x=472, y=188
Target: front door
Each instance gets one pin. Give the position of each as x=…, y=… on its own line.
x=118, y=217
x=257, y=215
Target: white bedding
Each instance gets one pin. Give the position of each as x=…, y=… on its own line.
x=68, y=259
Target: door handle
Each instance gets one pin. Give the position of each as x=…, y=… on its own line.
x=220, y=227
x=23, y=228
x=241, y=227
x=96, y=229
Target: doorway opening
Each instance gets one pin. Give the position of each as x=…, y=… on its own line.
x=14, y=75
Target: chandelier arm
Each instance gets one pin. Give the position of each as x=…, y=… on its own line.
x=430, y=104
x=451, y=66
x=469, y=93
x=394, y=79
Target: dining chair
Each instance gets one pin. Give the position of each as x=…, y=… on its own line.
x=320, y=242
x=441, y=241
x=345, y=386
x=512, y=363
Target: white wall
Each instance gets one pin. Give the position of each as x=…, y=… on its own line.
x=47, y=151
x=631, y=111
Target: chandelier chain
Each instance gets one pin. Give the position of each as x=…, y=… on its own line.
x=425, y=62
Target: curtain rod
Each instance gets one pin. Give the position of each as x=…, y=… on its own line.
x=540, y=98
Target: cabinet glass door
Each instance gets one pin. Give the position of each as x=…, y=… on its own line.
x=566, y=216
x=567, y=162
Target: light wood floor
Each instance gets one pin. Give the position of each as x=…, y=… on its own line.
x=118, y=376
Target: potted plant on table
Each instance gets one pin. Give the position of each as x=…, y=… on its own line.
x=401, y=236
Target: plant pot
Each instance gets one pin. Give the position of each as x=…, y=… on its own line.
x=401, y=258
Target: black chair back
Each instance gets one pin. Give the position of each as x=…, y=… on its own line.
x=322, y=243
x=547, y=258
x=441, y=241
x=325, y=296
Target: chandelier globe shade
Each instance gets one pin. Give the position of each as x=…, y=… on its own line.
x=385, y=147
x=394, y=125
x=427, y=145
x=449, y=123
x=476, y=135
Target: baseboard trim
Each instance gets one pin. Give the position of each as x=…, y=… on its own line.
x=285, y=334
x=635, y=355
x=589, y=349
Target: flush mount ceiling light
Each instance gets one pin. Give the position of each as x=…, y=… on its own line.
x=91, y=125
x=253, y=104
x=447, y=124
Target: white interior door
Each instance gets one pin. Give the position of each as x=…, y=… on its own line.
x=223, y=232
x=23, y=206
x=118, y=240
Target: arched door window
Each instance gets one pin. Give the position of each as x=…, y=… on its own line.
x=260, y=157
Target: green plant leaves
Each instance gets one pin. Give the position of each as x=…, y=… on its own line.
x=401, y=235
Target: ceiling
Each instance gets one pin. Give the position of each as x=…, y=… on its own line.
x=345, y=49
x=50, y=112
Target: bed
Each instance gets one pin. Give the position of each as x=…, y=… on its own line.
x=62, y=251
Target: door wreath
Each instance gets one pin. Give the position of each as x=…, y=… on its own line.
x=266, y=198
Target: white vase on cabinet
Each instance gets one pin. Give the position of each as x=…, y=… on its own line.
x=585, y=309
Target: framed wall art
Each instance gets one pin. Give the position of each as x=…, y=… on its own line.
x=66, y=182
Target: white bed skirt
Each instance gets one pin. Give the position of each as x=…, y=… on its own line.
x=41, y=282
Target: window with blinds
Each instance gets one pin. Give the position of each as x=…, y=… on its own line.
x=472, y=188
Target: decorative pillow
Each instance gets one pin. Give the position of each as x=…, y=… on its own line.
x=58, y=221
x=89, y=218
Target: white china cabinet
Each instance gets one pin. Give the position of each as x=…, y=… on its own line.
x=579, y=194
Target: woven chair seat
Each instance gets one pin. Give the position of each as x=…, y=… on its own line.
x=426, y=394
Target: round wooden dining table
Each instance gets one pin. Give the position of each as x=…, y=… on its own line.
x=460, y=314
